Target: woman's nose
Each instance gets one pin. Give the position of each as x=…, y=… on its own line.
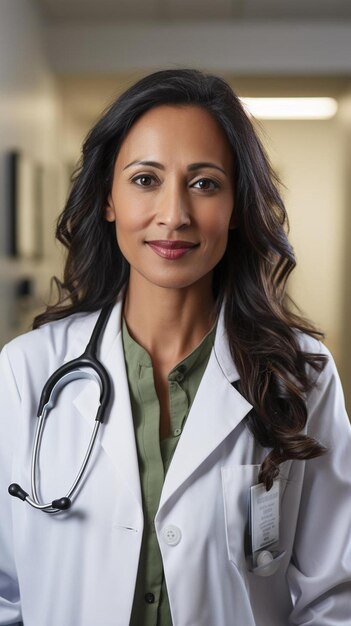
x=173, y=208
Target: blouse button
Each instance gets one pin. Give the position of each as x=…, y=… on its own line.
x=149, y=598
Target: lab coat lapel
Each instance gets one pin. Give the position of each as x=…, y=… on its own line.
x=117, y=431
x=216, y=410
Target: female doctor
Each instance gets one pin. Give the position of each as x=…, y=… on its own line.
x=218, y=488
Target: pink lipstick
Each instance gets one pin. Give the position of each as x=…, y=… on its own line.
x=170, y=249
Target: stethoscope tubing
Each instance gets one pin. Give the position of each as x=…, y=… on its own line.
x=85, y=366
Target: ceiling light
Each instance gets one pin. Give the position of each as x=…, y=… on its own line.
x=291, y=108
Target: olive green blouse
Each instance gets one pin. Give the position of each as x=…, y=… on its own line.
x=151, y=606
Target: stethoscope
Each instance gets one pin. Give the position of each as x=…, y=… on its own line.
x=63, y=375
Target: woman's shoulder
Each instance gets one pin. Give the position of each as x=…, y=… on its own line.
x=326, y=389
x=324, y=376
x=310, y=344
x=49, y=342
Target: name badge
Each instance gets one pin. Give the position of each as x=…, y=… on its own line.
x=264, y=516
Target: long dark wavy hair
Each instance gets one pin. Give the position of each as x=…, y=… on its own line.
x=275, y=374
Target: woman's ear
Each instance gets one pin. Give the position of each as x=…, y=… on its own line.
x=110, y=215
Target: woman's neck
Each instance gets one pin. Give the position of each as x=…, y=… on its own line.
x=168, y=323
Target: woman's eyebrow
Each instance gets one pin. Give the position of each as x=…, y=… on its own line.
x=152, y=163
x=190, y=168
x=201, y=164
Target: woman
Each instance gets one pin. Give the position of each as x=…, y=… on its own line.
x=175, y=221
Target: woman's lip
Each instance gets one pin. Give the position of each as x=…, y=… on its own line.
x=171, y=245
x=170, y=253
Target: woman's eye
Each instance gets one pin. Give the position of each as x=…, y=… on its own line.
x=145, y=180
x=206, y=184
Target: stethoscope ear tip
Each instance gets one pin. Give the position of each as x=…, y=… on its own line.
x=17, y=491
x=62, y=504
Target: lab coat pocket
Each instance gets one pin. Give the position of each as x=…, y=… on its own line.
x=236, y=483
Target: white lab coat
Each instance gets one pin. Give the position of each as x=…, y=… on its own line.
x=79, y=568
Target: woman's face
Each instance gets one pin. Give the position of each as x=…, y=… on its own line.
x=173, y=181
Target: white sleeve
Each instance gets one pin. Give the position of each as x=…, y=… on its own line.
x=10, y=607
x=319, y=574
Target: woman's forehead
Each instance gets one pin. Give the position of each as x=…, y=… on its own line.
x=168, y=131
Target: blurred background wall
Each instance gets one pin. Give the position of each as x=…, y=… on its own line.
x=63, y=61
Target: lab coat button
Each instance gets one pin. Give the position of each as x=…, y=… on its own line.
x=171, y=535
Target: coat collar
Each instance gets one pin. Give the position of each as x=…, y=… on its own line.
x=85, y=324
x=217, y=408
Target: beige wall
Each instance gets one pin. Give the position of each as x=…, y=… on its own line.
x=29, y=123
x=311, y=159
